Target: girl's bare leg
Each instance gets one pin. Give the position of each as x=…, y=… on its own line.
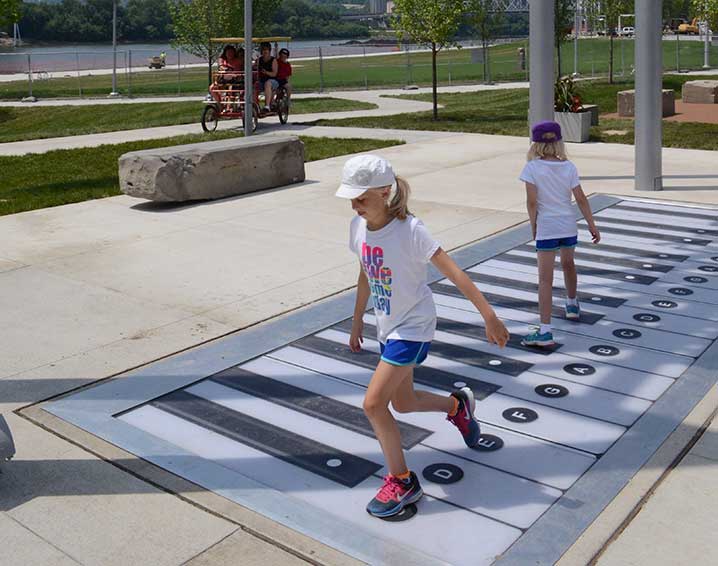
x=407, y=400
x=569, y=272
x=382, y=387
x=546, y=261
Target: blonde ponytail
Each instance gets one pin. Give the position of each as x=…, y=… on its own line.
x=399, y=204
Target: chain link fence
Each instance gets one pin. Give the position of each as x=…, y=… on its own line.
x=322, y=69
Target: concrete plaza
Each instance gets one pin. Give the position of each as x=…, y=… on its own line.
x=93, y=289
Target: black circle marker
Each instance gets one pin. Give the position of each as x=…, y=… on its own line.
x=682, y=291
x=664, y=304
x=604, y=350
x=646, y=317
x=627, y=333
x=708, y=268
x=579, y=369
x=443, y=473
x=695, y=279
x=715, y=258
x=520, y=415
x=489, y=443
x=551, y=390
x=404, y=515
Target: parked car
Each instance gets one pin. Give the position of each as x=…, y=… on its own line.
x=628, y=31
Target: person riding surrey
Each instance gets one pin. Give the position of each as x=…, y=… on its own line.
x=267, y=66
x=230, y=61
x=284, y=71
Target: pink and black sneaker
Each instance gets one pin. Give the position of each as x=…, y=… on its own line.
x=394, y=495
x=464, y=418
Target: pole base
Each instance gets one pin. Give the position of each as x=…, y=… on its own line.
x=7, y=446
x=114, y=95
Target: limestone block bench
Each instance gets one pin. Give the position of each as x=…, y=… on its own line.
x=627, y=103
x=212, y=170
x=700, y=92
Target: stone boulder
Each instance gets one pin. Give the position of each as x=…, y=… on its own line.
x=627, y=103
x=700, y=92
x=212, y=170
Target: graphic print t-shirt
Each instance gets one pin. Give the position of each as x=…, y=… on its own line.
x=395, y=260
x=554, y=180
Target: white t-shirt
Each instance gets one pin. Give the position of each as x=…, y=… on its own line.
x=554, y=180
x=395, y=260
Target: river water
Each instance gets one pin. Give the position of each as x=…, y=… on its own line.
x=86, y=56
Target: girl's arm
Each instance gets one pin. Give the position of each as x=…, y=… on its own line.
x=363, y=293
x=585, y=209
x=532, y=206
x=495, y=330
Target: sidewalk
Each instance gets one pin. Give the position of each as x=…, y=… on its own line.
x=95, y=288
x=386, y=107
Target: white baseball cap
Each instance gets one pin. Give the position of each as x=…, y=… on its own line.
x=365, y=172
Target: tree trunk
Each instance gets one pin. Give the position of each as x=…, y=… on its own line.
x=434, y=80
x=610, y=57
x=558, y=55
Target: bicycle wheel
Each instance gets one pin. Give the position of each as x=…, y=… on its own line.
x=210, y=118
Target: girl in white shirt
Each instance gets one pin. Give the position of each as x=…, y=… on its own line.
x=550, y=180
x=394, y=249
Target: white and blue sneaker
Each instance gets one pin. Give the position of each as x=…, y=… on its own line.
x=573, y=312
x=537, y=338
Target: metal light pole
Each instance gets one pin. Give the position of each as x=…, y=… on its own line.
x=706, y=44
x=541, y=60
x=577, y=27
x=114, y=49
x=649, y=98
x=248, y=78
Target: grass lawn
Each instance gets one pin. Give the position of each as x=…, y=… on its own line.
x=391, y=70
x=48, y=122
x=504, y=112
x=73, y=175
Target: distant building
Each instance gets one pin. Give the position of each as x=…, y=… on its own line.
x=377, y=6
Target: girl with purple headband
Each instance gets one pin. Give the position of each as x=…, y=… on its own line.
x=550, y=180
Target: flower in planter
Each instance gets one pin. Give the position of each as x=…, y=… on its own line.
x=566, y=96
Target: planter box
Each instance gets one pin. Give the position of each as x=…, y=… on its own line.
x=593, y=109
x=575, y=126
x=627, y=103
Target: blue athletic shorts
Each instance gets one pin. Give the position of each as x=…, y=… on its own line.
x=404, y=352
x=555, y=244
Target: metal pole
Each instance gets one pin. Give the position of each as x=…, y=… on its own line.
x=706, y=46
x=129, y=73
x=623, y=60
x=541, y=63
x=114, y=49
x=321, y=71
x=366, y=78
x=29, y=74
x=77, y=68
x=179, y=73
x=577, y=26
x=409, y=78
x=649, y=127
x=678, y=52
x=449, y=59
x=248, y=78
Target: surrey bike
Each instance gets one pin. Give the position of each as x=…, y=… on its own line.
x=229, y=86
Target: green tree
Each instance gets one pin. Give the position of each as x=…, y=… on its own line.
x=432, y=23
x=607, y=12
x=194, y=23
x=485, y=20
x=9, y=12
x=564, y=13
x=707, y=10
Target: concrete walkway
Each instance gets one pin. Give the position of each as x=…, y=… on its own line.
x=385, y=107
x=95, y=288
